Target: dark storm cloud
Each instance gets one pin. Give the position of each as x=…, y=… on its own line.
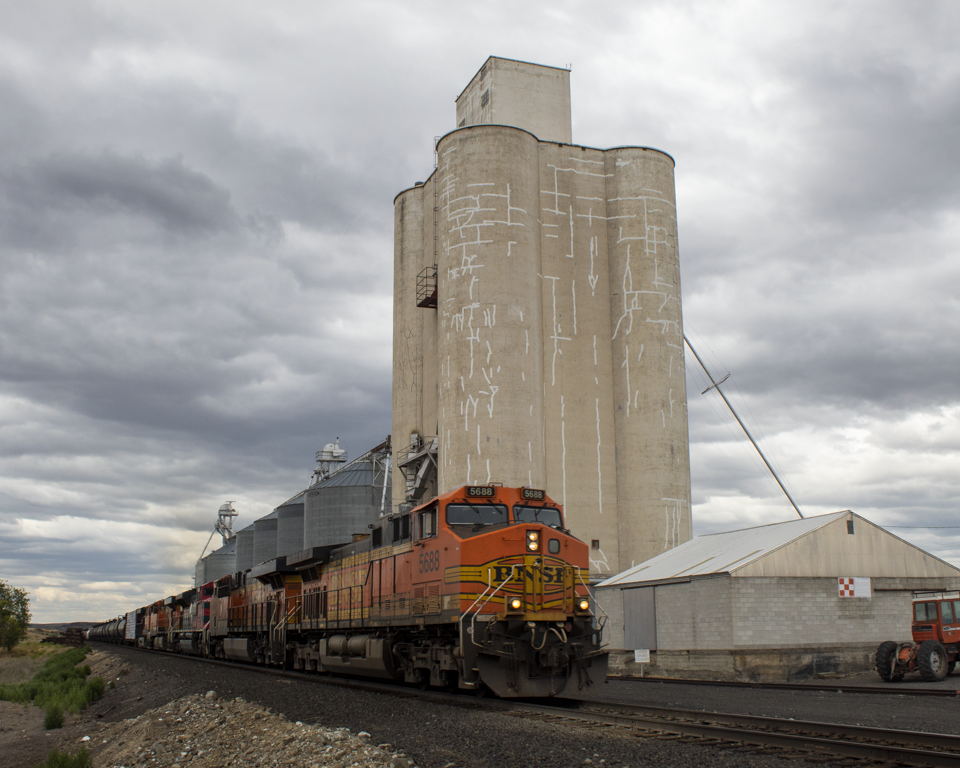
x=196, y=251
x=39, y=201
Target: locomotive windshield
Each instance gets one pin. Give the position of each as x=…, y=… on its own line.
x=545, y=515
x=476, y=514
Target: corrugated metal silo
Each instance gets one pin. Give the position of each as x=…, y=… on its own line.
x=222, y=561
x=290, y=526
x=345, y=503
x=245, y=548
x=265, y=538
x=200, y=573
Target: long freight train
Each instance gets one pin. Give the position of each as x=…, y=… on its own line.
x=480, y=588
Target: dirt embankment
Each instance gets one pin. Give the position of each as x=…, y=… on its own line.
x=200, y=730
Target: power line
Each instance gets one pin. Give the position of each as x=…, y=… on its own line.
x=923, y=527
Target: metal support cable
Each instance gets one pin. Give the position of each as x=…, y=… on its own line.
x=716, y=385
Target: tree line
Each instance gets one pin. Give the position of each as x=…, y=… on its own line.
x=14, y=615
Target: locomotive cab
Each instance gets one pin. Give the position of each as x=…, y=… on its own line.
x=526, y=625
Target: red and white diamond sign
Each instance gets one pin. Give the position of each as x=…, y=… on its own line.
x=854, y=586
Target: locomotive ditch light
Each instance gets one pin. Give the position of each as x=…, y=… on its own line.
x=533, y=541
x=515, y=603
x=584, y=605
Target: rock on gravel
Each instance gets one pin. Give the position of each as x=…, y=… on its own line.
x=201, y=731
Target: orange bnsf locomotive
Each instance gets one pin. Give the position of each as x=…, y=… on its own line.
x=480, y=588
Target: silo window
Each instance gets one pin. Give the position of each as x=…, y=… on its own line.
x=485, y=98
x=850, y=526
x=595, y=544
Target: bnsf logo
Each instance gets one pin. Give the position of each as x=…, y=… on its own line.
x=520, y=573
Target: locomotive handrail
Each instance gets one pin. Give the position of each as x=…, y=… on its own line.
x=593, y=597
x=473, y=618
x=278, y=631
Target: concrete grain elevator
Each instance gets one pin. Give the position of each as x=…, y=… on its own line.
x=537, y=322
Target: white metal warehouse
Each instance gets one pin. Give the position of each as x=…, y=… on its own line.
x=766, y=602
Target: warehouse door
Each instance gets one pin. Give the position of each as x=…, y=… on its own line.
x=639, y=619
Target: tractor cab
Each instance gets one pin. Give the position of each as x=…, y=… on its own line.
x=935, y=626
x=936, y=620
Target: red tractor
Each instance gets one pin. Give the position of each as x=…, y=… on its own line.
x=935, y=647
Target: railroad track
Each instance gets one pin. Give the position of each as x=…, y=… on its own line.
x=891, y=689
x=783, y=737
x=819, y=742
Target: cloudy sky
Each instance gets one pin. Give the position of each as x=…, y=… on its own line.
x=196, y=236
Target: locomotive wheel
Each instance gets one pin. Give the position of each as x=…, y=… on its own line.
x=884, y=662
x=950, y=666
x=423, y=679
x=451, y=681
x=932, y=661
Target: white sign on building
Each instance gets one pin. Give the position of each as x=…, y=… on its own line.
x=854, y=586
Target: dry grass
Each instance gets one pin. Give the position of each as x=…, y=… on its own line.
x=19, y=665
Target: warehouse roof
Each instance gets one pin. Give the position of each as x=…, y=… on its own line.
x=813, y=546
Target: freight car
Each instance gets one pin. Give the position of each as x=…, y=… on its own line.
x=480, y=588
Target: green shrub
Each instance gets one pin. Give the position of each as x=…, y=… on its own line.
x=58, y=759
x=60, y=682
x=112, y=685
x=54, y=717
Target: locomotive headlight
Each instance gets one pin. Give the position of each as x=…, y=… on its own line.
x=533, y=541
x=584, y=605
x=515, y=603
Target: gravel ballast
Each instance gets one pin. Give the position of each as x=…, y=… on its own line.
x=159, y=715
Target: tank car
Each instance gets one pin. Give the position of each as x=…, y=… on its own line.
x=482, y=588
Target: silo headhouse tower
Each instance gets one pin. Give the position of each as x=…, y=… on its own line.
x=538, y=336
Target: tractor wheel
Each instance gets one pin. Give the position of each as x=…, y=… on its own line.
x=885, y=656
x=932, y=661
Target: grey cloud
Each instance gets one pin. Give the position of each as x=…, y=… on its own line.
x=43, y=200
x=884, y=144
x=196, y=224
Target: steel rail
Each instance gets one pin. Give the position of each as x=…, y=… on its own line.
x=822, y=739
x=922, y=739
x=906, y=747
x=888, y=689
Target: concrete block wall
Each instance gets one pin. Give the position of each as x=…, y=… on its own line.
x=789, y=612
x=783, y=612
x=695, y=614
x=778, y=628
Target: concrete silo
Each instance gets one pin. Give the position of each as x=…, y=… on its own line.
x=537, y=321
